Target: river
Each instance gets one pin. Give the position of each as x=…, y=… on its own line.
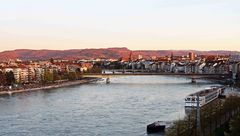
x=122, y=108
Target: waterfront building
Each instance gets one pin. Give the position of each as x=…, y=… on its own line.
x=8, y=69
x=192, y=56
x=234, y=58
x=73, y=68
x=140, y=57
x=235, y=68
x=200, y=67
x=138, y=65
x=17, y=74
x=179, y=68
x=172, y=65
x=85, y=66
x=153, y=67
x=147, y=64
x=209, y=68
x=167, y=67
x=45, y=63
x=31, y=74
x=24, y=75
x=39, y=74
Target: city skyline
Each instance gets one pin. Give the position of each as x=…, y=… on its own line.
x=137, y=25
x=120, y=67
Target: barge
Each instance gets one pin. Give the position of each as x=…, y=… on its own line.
x=155, y=127
x=205, y=96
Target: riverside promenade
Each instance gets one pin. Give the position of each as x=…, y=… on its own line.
x=52, y=86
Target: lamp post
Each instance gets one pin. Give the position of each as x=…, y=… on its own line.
x=198, y=116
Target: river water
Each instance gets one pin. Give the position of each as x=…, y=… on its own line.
x=122, y=108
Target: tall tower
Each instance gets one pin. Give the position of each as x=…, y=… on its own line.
x=130, y=57
x=171, y=56
x=192, y=56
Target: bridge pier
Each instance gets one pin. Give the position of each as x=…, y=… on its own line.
x=194, y=80
x=107, y=80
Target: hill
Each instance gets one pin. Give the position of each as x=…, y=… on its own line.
x=114, y=53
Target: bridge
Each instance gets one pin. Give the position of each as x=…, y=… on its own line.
x=193, y=76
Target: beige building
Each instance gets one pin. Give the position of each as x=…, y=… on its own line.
x=17, y=74
x=39, y=74
x=31, y=74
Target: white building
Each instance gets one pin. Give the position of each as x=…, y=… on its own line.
x=17, y=73
x=24, y=75
x=39, y=74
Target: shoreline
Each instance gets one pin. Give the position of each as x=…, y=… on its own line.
x=52, y=86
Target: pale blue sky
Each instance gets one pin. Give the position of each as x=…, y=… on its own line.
x=136, y=24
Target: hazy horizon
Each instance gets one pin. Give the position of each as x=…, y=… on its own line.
x=137, y=24
x=124, y=47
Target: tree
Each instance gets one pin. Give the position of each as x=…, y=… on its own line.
x=56, y=75
x=10, y=79
x=94, y=70
x=48, y=77
x=235, y=125
x=72, y=76
x=3, y=80
x=78, y=73
x=63, y=75
x=52, y=60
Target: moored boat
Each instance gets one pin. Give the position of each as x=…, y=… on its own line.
x=9, y=92
x=155, y=127
x=205, y=96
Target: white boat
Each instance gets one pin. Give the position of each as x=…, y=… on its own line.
x=205, y=96
x=9, y=92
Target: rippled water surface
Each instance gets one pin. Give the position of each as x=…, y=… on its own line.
x=122, y=108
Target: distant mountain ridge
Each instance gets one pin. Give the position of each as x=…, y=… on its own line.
x=109, y=53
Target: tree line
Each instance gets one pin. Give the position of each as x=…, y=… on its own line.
x=6, y=78
x=50, y=77
x=216, y=119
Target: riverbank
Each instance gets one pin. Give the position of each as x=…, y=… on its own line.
x=52, y=86
x=213, y=118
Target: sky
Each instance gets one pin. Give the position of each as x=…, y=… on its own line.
x=135, y=24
